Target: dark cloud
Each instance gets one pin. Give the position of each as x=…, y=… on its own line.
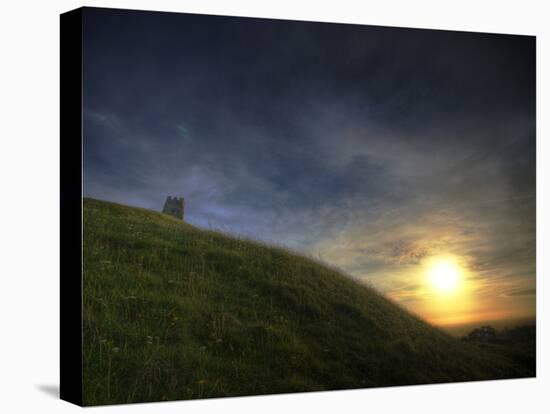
x=374, y=147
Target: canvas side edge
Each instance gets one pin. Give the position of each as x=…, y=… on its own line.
x=71, y=206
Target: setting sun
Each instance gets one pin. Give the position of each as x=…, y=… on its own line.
x=444, y=275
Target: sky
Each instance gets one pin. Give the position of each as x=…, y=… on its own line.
x=380, y=151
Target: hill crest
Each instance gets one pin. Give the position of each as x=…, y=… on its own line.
x=172, y=311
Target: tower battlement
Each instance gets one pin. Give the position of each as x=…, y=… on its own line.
x=174, y=206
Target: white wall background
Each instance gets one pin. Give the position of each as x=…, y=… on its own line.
x=29, y=193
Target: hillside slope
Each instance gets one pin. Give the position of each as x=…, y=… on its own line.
x=175, y=312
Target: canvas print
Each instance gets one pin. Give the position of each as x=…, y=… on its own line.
x=276, y=206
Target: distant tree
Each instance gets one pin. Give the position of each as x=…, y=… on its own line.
x=507, y=336
x=520, y=334
x=483, y=334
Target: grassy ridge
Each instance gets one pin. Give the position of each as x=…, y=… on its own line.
x=175, y=312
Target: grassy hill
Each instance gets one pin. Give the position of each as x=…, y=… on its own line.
x=176, y=312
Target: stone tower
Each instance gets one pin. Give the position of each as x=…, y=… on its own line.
x=173, y=206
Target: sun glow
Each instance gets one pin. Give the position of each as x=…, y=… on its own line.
x=444, y=275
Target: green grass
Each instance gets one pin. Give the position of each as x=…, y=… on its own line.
x=172, y=311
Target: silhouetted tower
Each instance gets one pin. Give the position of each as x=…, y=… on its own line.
x=173, y=206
